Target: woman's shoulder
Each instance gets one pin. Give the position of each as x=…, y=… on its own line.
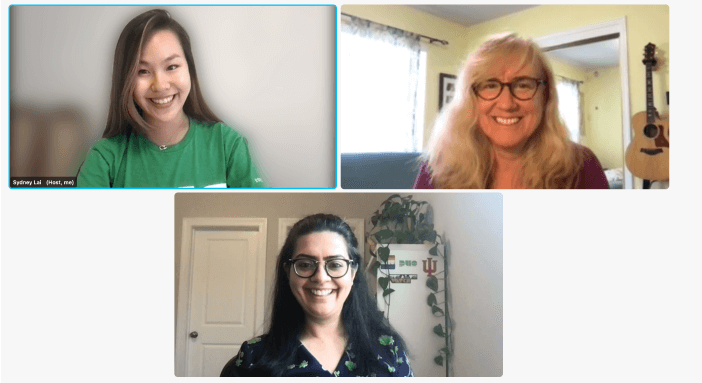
x=215, y=128
x=254, y=344
x=584, y=151
x=118, y=140
x=588, y=157
x=111, y=146
x=246, y=357
x=591, y=173
x=388, y=344
x=423, y=180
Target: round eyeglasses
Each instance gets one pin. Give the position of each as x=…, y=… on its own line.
x=522, y=88
x=335, y=268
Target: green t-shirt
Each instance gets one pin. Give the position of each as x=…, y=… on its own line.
x=210, y=155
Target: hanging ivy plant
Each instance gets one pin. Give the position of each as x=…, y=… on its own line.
x=402, y=220
x=436, y=310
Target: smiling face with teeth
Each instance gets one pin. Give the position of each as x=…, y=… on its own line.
x=506, y=121
x=321, y=297
x=162, y=82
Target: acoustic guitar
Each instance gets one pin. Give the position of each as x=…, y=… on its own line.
x=648, y=154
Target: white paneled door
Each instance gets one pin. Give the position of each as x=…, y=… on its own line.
x=225, y=295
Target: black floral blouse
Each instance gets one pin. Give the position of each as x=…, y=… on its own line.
x=392, y=356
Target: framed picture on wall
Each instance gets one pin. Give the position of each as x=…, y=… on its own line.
x=357, y=225
x=447, y=88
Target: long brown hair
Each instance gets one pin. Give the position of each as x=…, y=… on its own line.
x=124, y=113
x=460, y=155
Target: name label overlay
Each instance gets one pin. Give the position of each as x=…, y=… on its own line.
x=43, y=182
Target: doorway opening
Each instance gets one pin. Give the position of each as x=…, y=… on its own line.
x=605, y=127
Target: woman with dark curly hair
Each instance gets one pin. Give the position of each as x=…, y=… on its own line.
x=324, y=321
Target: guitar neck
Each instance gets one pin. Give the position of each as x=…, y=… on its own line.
x=650, y=109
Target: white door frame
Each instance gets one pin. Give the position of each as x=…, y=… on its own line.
x=190, y=226
x=597, y=30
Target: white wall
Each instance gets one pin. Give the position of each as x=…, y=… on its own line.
x=472, y=225
x=471, y=222
x=269, y=72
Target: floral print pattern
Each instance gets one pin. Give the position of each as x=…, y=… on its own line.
x=389, y=353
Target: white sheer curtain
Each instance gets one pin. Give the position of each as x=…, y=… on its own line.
x=381, y=79
x=569, y=106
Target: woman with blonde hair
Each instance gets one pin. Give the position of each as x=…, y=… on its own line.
x=490, y=137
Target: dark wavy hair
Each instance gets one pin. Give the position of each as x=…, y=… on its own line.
x=124, y=114
x=363, y=322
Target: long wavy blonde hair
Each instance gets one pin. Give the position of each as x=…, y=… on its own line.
x=459, y=154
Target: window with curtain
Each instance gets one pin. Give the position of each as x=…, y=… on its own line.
x=569, y=106
x=381, y=85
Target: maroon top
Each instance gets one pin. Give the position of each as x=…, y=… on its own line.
x=591, y=175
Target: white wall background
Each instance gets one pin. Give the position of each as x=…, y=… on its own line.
x=472, y=225
x=269, y=72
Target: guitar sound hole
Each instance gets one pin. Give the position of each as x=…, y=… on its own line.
x=650, y=131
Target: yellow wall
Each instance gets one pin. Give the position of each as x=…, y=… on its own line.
x=645, y=23
x=602, y=111
x=603, y=116
x=566, y=70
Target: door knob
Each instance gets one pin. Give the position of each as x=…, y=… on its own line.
x=193, y=334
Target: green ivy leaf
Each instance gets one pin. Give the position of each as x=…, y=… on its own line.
x=388, y=292
x=439, y=360
x=438, y=330
x=432, y=235
x=383, y=234
x=383, y=282
x=433, y=283
x=431, y=299
x=436, y=309
x=432, y=251
x=445, y=351
x=384, y=253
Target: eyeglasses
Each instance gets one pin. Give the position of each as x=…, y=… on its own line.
x=335, y=268
x=522, y=88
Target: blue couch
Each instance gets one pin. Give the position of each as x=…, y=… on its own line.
x=379, y=170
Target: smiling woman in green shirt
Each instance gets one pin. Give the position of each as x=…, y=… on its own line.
x=160, y=133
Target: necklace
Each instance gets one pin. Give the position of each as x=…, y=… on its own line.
x=164, y=147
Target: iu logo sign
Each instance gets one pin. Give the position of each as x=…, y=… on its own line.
x=431, y=270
